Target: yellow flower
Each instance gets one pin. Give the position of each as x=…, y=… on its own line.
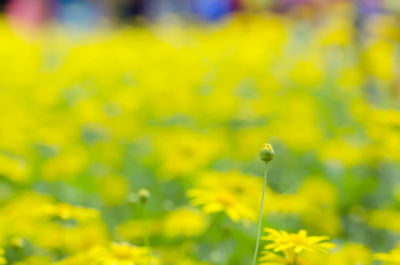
x=132, y=230
x=3, y=260
x=384, y=219
x=113, y=189
x=391, y=258
x=380, y=60
x=349, y=254
x=181, y=254
x=291, y=245
x=124, y=253
x=65, y=212
x=345, y=152
x=184, y=221
x=34, y=260
x=272, y=259
x=233, y=193
x=14, y=168
x=281, y=240
x=116, y=254
x=184, y=152
x=66, y=164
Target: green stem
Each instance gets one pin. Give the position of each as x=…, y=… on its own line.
x=260, y=216
x=295, y=259
x=146, y=226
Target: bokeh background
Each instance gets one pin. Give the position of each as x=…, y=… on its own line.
x=102, y=99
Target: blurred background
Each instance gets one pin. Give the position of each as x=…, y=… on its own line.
x=105, y=12
x=130, y=130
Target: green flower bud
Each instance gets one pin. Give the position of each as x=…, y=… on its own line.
x=267, y=153
x=144, y=196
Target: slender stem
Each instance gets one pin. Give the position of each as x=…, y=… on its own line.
x=260, y=216
x=146, y=226
x=295, y=259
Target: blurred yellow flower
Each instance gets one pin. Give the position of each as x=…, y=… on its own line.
x=65, y=211
x=183, y=152
x=380, y=59
x=184, y=222
x=133, y=229
x=317, y=198
x=3, y=260
x=342, y=151
x=234, y=193
x=34, y=260
x=391, y=258
x=113, y=189
x=116, y=253
x=349, y=254
x=384, y=219
x=181, y=254
x=14, y=168
x=65, y=165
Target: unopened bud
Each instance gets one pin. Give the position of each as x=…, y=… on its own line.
x=144, y=196
x=267, y=153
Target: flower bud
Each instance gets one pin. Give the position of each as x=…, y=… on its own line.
x=266, y=153
x=144, y=196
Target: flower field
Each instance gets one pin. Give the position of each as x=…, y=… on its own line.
x=139, y=145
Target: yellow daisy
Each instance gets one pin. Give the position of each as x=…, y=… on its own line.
x=290, y=245
x=233, y=193
x=281, y=240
